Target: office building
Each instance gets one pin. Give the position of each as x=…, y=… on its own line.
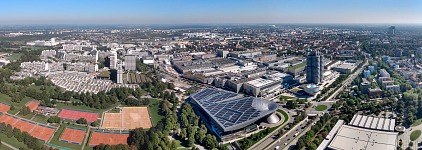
x=366, y=73
x=392, y=30
x=130, y=62
x=314, y=68
x=112, y=60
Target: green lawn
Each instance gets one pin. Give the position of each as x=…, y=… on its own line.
x=416, y=123
x=415, y=135
x=56, y=139
x=28, y=116
x=4, y=147
x=285, y=115
x=154, y=110
x=321, y=107
x=14, y=56
x=83, y=107
x=12, y=141
x=284, y=97
x=6, y=99
x=40, y=119
x=298, y=66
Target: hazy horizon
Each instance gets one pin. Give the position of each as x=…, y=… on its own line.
x=141, y=12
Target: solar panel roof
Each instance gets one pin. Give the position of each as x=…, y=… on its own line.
x=232, y=111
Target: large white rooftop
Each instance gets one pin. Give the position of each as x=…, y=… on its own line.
x=355, y=138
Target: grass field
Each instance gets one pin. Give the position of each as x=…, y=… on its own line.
x=416, y=123
x=298, y=66
x=28, y=116
x=12, y=141
x=285, y=115
x=284, y=97
x=153, y=108
x=415, y=135
x=14, y=56
x=321, y=107
x=40, y=119
x=83, y=107
x=56, y=138
x=6, y=99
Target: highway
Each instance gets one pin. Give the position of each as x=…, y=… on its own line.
x=288, y=137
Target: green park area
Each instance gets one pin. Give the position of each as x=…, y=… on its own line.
x=415, y=135
x=154, y=109
x=303, y=64
x=416, y=123
x=16, y=106
x=321, y=107
x=12, y=141
x=285, y=97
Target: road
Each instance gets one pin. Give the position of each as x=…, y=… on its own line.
x=270, y=138
x=8, y=145
x=289, y=136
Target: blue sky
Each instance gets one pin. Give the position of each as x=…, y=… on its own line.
x=209, y=11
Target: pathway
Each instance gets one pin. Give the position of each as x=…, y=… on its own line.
x=8, y=145
x=86, y=138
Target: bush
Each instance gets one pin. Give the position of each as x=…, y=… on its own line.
x=81, y=121
x=53, y=119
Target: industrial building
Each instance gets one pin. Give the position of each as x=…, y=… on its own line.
x=267, y=84
x=229, y=115
x=362, y=133
x=130, y=62
x=350, y=138
x=345, y=67
x=314, y=68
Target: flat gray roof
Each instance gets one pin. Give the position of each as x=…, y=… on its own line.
x=354, y=138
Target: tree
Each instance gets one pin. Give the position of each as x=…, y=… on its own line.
x=410, y=143
x=95, y=123
x=81, y=121
x=54, y=119
x=25, y=110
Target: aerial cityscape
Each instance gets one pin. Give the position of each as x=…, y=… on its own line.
x=211, y=75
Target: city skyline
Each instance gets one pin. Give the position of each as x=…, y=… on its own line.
x=210, y=12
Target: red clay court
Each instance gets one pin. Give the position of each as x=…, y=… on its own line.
x=4, y=107
x=24, y=126
x=111, y=138
x=74, y=136
x=75, y=115
x=32, y=105
x=38, y=131
x=42, y=132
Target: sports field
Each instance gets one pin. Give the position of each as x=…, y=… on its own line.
x=128, y=118
x=32, y=105
x=4, y=107
x=38, y=131
x=73, y=135
x=112, y=121
x=75, y=115
x=110, y=138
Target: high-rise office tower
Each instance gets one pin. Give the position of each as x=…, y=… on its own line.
x=130, y=62
x=392, y=30
x=113, y=60
x=314, y=68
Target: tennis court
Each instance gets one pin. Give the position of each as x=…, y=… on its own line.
x=112, y=121
x=32, y=105
x=74, y=136
x=4, y=107
x=110, y=138
x=75, y=115
x=42, y=132
x=136, y=117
